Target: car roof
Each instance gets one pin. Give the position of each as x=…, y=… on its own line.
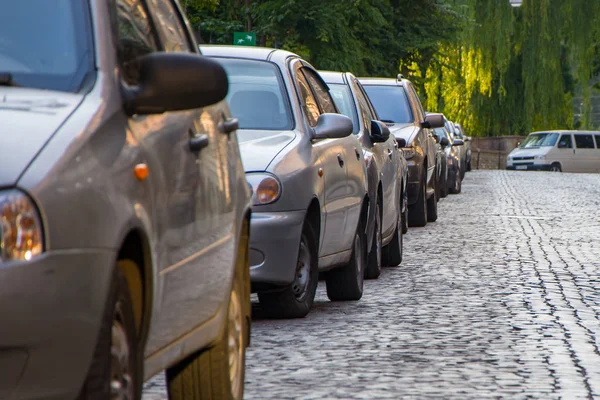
x=247, y=52
x=381, y=81
x=333, y=77
x=566, y=131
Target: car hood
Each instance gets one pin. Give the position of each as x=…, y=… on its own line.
x=29, y=119
x=532, y=152
x=258, y=148
x=406, y=131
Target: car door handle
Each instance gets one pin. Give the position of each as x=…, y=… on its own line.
x=229, y=125
x=395, y=144
x=340, y=160
x=199, y=142
x=357, y=154
x=390, y=153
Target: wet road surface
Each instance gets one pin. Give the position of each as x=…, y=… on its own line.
x=500, y=298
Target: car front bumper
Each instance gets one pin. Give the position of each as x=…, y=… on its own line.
x=274, y=244
x=530, y=166
x=51, y=309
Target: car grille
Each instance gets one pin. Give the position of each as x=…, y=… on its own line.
x=522, y=158
x=524, y=163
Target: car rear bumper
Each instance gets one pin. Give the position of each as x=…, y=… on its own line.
x=51, y=309
x=274, y=243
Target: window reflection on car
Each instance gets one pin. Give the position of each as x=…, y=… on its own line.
x=539, y=140
x=390, y=102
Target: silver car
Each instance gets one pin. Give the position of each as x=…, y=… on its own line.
x=308, y=178
x=124, y=209
x=387, y=172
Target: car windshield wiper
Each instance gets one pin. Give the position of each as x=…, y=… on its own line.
x=6, y=79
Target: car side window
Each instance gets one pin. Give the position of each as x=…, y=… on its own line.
x=365, y=110
x=584, y=141
x=416, y=102
x=307, y=99
x=321, y=92
x=565, y=141
x=598, y=142
x=134, y=35
x=170, y=28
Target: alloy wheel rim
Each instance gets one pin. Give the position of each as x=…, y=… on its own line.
x=302, y=278
x=121, y=382
x=235, y=340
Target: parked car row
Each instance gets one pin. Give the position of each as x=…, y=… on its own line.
x=147, y=190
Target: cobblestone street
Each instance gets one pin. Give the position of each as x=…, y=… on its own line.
x=500, y=298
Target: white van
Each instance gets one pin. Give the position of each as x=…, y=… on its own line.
x=560, y=151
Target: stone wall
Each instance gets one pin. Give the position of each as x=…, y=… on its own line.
x=491, y=152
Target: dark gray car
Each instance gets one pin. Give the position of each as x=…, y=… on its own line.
x=451, y=146
x=308, y=178
x=386, y=168
x=124, y=207
x=398, y=104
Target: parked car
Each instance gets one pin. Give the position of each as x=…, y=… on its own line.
x=308, y=176
x=387, y=172
x=454, y=134
x=397, y=103
x=441, y=169
x=124, y=206
x=453, y=183
x=558, y=151
x=467, y=140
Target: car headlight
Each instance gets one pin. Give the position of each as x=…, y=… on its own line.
x=409, y=152
x=266, y=188
x=20, y=227
x=543, y=157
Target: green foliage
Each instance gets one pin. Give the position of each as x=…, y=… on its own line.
x=497, y=70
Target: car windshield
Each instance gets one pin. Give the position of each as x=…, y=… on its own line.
x=441, y=132
x=390, y=102
x=539, y=140
x=45, y=44
x=344, y=102
x=256, y=95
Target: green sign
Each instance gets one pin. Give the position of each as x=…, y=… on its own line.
x=244, y=38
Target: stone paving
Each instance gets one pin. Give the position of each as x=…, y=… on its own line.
x=498, y=299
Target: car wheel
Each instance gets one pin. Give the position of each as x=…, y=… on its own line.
x=295, y=300
x=456, y=189
x=432, y=205
x=373, y=269
x=115, y=371
x=218, y=373
x=555, y=167
x=469, y=168
x=417, y=215
x=393, y=251
x=346, y=283
x=405, y=212
x=444, y=184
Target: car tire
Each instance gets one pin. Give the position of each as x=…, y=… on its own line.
x=555, y=167
x=295, y=300
x=469, y=168
x=432, y=205
x=374, y=262
x=393, y=251
x=346, y=283
x=116, y=366
x=444, y=185
x=219, y=372
x=456, y=189
x=404, y=197
x=417, y=214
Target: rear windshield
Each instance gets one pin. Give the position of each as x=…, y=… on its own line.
x=344, y=102
x=539, y=140
x=256, y=95
x=390, y=102
x=45, y=44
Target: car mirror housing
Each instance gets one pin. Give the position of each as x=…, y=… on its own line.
x=379, y=132
x=332, y=126
x=444, y=141
x=175, y=81
x=458, y=142
x=401, y=142
x=433, y=121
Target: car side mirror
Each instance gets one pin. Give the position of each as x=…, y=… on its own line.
x=444, y=142
x=401, y=142
x=433, y=121
x=332, y=126
x=174, y=82
x=458, y=142
x=379, y=132
x=467, y=139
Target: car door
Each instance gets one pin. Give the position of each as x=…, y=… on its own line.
x=193, y=211
x=585, y=152
x=428, y=140
x=389, y=168
x=565, y=153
